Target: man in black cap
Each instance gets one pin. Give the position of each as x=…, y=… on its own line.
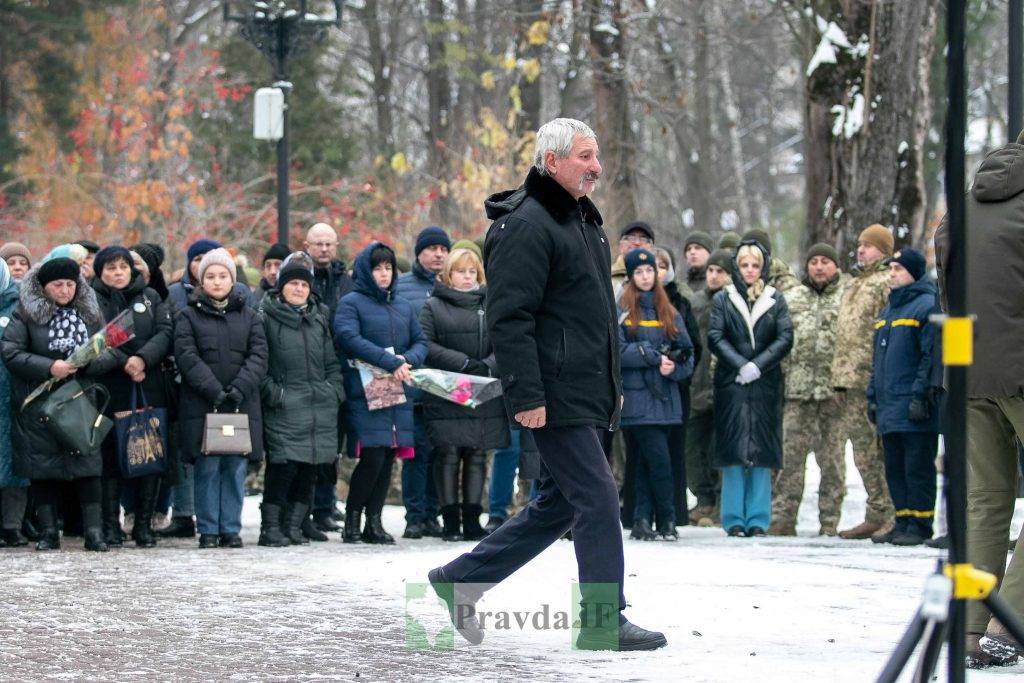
x=635, y=235
x=272, y=260
x=697, y=249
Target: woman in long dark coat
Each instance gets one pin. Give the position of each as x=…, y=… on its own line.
x=301, y=396
x=56, y=314
x=13, y=489
x=221, y=350
x=750, y=333
x=119, y=287
x=453, y=325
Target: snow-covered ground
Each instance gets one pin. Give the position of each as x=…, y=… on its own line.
x=732, y=609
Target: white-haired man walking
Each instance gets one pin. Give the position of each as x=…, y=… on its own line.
x=552, y=321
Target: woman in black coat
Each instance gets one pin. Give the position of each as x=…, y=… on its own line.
x=221, y=350
x=750, y=333
x=56, y=314
x=137, y=364
x=453, y=324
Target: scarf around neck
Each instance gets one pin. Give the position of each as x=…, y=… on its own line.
x=67, y=331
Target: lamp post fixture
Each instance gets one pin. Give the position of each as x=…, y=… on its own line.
x=281, y=30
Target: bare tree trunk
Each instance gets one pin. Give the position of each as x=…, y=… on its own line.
x=731, y=113
x=529, y=11
x=866, y=117
x=379, y=63
x=439, y=105
x=612, y=120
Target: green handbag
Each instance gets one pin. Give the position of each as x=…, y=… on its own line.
x=72, y=418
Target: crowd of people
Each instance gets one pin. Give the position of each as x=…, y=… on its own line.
x=733, y=371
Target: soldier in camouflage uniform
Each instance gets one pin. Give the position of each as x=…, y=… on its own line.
x=811, y=411
x=864, y=298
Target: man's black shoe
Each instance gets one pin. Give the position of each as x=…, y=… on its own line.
x=938, y=542
x=230, y=541
x=413, y=530
x=324, y=521
x=180, y=527
x=207, y=541
x=628, y=637
x=431, y=528
x=461, y=608
x=493, y=523
x=736, y=531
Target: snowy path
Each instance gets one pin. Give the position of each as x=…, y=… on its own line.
x=733, y=610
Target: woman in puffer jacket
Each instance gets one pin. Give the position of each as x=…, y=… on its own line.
x=453, y=324
x=657, y=355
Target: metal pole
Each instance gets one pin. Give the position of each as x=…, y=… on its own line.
x=956, y=435
x=282, y=144
x=1015, y=71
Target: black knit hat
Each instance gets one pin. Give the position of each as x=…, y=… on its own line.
x=639, y=257
x=276, y=252
x=699, y=238
x=823, y=249
x=294, y=271
x=641, y=226
x=721, y=258
x=89, y=245
x=431, y=236
x=152, y=254
x=759, y=236
x=912, y=260
x=109, y=255
x=61, y=268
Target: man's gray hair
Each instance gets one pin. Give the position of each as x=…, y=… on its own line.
x=557, y=136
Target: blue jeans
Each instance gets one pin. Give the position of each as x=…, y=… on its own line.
x=418, y=492
x=503, y=478
x=220, y=489
x=746, y=497
x=325, y=497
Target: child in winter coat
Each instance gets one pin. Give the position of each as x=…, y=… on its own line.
x=221, y=349
x=657, y=355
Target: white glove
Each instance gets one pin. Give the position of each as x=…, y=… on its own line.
x=748, y=373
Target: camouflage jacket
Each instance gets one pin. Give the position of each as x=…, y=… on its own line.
x=701, y=385
x=781, y=277
x=865, y=296
x=809, y=364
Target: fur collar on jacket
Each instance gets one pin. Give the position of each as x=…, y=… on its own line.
x=556, y=200
x=38, y=309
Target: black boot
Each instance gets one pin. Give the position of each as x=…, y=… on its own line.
x=627, y=637
x=28, y=529
x=324, y=521
x=145, y=502
x=92, y=525
x=461, y=601
x=353, y=520
x=452, y=523
x=471, y=529
x=667, y=529
x=493, y=523
x=180, y=527
x=12, y=538
x=374, y=531
x=313, y=531
x=111, y=510
x=431, y=528
x=270, y=527
x=642, y=530
x=295, y=514
x=49, y=537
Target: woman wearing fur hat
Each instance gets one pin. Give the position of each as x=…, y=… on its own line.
x=750, y=334
x=57, y=313
x=221, y=349
x=137, y=364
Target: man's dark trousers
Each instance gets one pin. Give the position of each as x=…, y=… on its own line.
x=577, y=491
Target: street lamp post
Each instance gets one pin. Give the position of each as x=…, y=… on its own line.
x=281, y=30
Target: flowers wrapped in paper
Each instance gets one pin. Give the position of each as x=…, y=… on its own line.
x=465, y=390
x=114, y=334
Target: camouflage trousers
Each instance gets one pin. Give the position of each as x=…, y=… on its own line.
x=810, y=426
x=867, y=456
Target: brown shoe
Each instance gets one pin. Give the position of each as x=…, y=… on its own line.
x=886, y=529
x=699, y=512
x=861, y=531
x=828, y=530
x=777, y=528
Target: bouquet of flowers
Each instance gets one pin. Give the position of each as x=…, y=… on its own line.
x=114, y=334
x=466, y=390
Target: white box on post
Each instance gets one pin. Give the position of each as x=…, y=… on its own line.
x=268, y=114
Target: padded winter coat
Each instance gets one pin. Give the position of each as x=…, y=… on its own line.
x=8, y=301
